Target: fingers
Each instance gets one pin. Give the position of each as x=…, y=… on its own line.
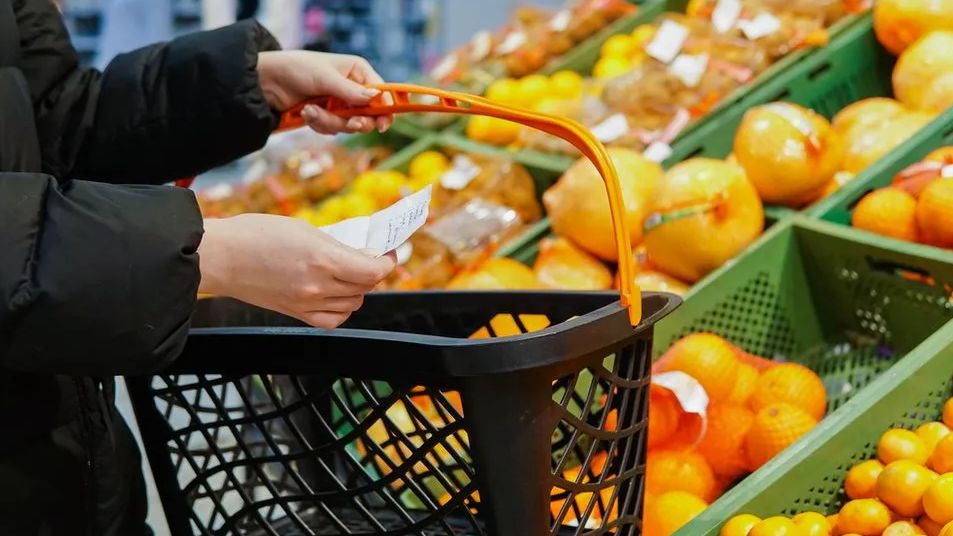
x=362, y=269
x=325, y=122
x=324, y=319
x=366, y=74
x=350, y=90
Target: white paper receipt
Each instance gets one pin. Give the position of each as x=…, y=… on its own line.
x=668, y=41
x=387, y=229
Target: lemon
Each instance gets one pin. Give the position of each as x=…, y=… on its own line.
x=304, y=214
x=532, y=88
x=641, y=35
x=618, y=46
x=566, y=84
x=492, y=130
x=428, y=163
x=332, y=208
x=504, y=91
x=611, y=67
x=387, y=188
x=355, y=204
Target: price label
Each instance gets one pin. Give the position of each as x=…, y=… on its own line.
x=513, y=41
x=689, y=68
x=461, y=174
x=725, y=15
x=668, y=42
x=612, y=128
x=560, y=21
x=763, y=25
x=658, y=152
x=481, y=45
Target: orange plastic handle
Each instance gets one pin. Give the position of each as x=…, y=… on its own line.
x=395, y=98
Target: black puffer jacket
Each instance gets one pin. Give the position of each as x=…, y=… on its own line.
x=99, y=279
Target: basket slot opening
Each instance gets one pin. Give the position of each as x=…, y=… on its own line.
x=819, y=70
x=903, y=271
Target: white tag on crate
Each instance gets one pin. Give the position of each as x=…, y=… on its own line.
x=947, y=171
x=725, y=15
x=689, y=68
x=560, y=21
x=658, y=152
x=763, y=25
x=612, y=128
x=513, y=41
x=460, y=174
x=384, y=230
x=668, y=41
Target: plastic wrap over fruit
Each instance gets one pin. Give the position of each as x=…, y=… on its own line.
x=490, y=178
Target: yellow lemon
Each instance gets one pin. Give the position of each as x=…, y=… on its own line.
x=566, y=84
x=427, y=163
x=504, y=91
x=611, y=67
x=532, y=88
x=642, y=34
x=618, y=46
x=739, y=525
x=355, y=205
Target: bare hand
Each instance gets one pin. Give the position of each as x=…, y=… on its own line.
x=291, y=77
x=289, y=266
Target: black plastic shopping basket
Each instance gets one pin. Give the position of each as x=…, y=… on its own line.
x=428, y=413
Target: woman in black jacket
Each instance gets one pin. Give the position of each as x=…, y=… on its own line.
x=99, y=277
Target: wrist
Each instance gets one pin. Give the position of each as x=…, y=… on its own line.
x=268, y=79
x=213, y=258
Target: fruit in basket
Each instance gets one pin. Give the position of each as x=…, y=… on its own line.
x=888, y=212
x=918, y=78
x=941, y=459
x=812, y=524
x=788, y=152
x=866, y=517
x=561, y=265
x=668, y=512
x=793, y=384
x=861, y=480
x=709, y=359
x=723, y=443
x=901, y=486
x=496, y=274
x=775, y=428
x=898, y=23
x=579, y=207
x=865, y=114
x=654, y=281
x=900, y=444
x=775, y=526
x=938, y=499
x=679, y=470
x=704, y=212
x=745, y=384
x=931, y=433
x=903, y=528
x=934, y=213
x=739, y=525
x=870, y=145
x=664, y=415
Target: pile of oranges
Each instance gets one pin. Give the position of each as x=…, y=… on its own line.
x=918, y=207
x=906, y=490
x=757, y=409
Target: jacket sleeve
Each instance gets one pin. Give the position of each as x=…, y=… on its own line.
x=160, y=113
x=96, y=279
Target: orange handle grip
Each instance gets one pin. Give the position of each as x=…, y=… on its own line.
x=395, y=98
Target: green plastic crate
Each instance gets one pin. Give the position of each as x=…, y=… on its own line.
x=836, y=300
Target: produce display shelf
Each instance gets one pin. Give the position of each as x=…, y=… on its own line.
x=842, y=302
x=852, y=67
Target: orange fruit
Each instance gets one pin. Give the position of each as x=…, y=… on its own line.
x=930, y=527
x=867, y=517
x=943, y=154
x=947, y=530
x=709, y=359
x=664, y=415
x=898, y=23
x=497, y=273
x=832, y=521
x=775, y=526
x=889, y=212
x=869, y=145
x=688, y=434
x=864, y=115
x=931, y=433
x=671, y=511
x=492, y=130
x=903, y=528
x=775, y=428
x=918, y=77
x=679, y=470
x=812, y=524
x=901, y=486
x=861, y=481
x=900, y=444
x=652, y=281
x=935, y=213
x=723, y=443
x=706, y=212
x=941, y=460
x=739, y=525
x=579, y=209
x=563, y=266
x=793, y=384
x=938, y=499
x=745, y=384
x=788, y=152
x=948, y=413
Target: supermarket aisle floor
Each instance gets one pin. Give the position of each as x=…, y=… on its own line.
x=156, y=515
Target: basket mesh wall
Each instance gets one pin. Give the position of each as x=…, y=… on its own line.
x=303, y=455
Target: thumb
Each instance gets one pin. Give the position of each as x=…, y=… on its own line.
x=350, y=91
